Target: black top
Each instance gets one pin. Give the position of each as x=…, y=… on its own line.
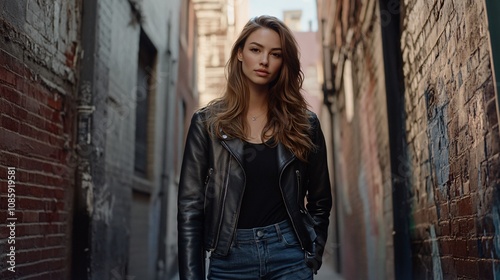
x=262, y=203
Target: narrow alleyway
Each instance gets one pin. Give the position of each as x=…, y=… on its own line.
x=95, y=104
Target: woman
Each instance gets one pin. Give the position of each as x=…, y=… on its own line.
x=252, y=158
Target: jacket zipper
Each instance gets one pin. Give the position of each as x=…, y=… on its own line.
x=286, y=206
x=301, y=203
x=222, y=207
x=207, y=179
x=225, y=193
x=297, y=172
x=210, y=171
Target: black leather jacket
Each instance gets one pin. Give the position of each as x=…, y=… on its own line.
x=211, y=187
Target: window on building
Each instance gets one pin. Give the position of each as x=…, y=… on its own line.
x=144, y=109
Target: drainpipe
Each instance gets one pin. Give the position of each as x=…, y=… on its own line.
x=328, y=101
x=163, y=271
x=83, y=194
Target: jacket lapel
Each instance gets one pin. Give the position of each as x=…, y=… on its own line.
x=235, y=147
x=284, y=156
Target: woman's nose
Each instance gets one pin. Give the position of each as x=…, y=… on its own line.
x=264, y=59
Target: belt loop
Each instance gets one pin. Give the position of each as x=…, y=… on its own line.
x=235, y=238
x=278, y=232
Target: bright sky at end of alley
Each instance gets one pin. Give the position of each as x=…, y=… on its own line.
x=276, y=8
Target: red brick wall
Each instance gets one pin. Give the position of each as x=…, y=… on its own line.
x=453, y=138
x=36, y=138
x=362, y=162
x=450, y=166
x=35, y=129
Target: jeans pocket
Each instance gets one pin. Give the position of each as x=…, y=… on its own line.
x=289, y=239
x=216, y=256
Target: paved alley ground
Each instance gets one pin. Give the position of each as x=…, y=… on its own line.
x=327, y=273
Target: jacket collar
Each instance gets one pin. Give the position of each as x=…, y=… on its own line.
x=235, y=147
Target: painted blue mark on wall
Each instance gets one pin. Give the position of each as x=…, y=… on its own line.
x=437, y=132
x=374, y=236
x=436, y=259
x=370, y=246
x=495, y=213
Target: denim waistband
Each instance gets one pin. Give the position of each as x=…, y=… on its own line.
x=260, y=233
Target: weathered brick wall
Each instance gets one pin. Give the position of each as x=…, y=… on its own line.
x=449, y=164
x=67, y=125
x=37, y=81
x=107, y=237
x=131, y=215
x=128, y=212
x=366, y=166
x=362, y=163
x=453, y=140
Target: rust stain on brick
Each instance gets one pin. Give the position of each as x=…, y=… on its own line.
x=71, y=55
x=55, y=102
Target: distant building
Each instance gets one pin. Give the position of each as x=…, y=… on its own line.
x=292, y=18
x=311, y=66
x=219, y=21
x=310, y=59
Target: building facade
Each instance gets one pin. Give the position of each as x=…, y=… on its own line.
x=219, y=21
x=93, y=113
x=135, y=51
x=413, y=97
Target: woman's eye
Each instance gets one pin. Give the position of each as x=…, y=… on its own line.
x=277, y=55
x=254, y=50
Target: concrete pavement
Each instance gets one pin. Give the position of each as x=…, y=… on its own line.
x=327, y=273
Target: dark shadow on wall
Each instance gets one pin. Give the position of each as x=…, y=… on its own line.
x=394, y=83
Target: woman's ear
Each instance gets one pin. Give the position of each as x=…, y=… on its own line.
x=240, y=55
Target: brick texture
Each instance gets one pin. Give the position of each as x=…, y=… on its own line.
x=452, y=115
x=36, y=135
x=363, y=170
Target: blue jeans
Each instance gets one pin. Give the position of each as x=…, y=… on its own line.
x=272, y=252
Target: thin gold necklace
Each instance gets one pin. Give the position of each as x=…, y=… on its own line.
x=254, y=118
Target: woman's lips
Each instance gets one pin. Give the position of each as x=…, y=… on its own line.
x=262, y=73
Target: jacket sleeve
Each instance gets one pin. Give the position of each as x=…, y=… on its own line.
x=319, y=196
x=190, y=219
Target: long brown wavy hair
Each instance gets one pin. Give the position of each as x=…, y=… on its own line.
x=287, y=114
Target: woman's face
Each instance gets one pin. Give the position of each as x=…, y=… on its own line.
x=261, y=56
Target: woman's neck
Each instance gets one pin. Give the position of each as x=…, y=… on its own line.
x=256, y=117
x=258, y=100
x=257, y=104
